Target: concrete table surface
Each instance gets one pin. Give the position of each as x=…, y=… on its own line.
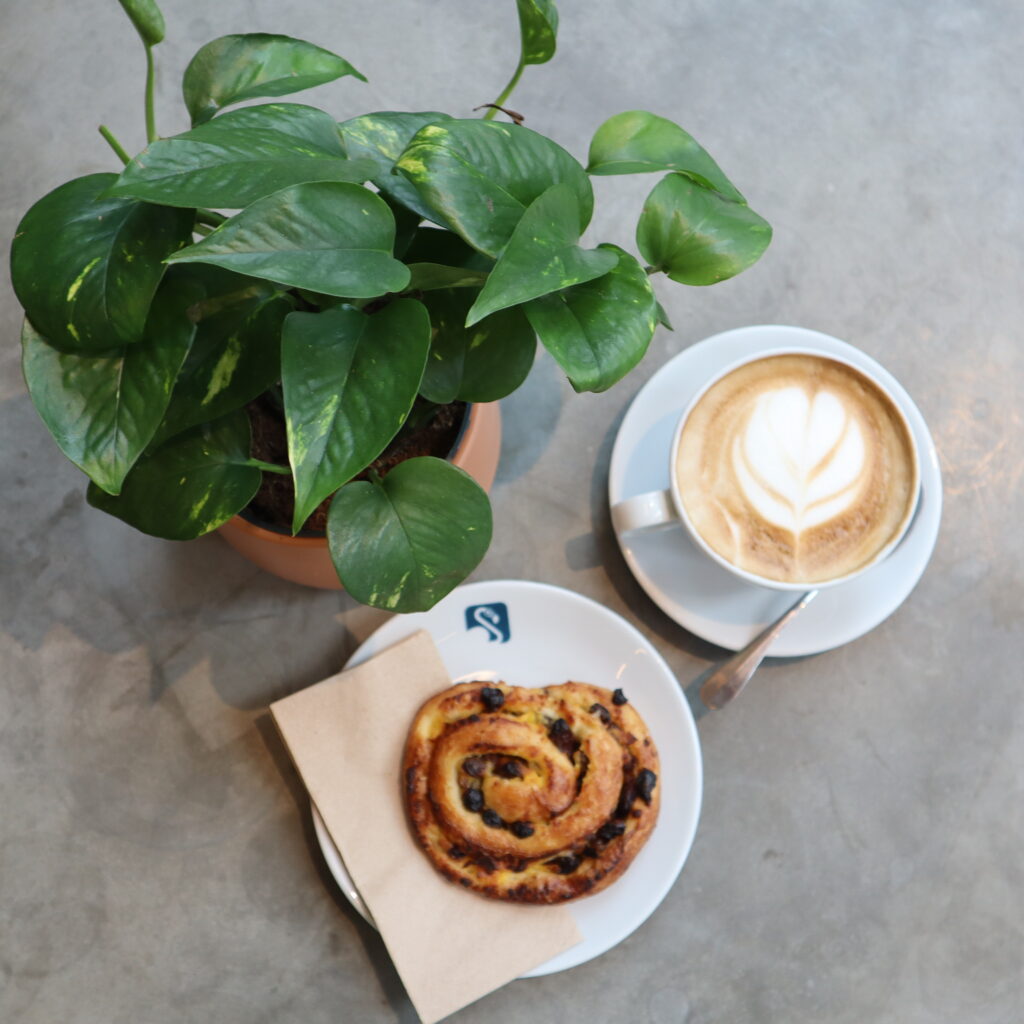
x=859, y=856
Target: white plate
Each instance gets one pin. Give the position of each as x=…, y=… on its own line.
x=533, y=634
x=702, y=596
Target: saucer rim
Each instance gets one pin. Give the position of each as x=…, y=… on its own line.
x=753, y=340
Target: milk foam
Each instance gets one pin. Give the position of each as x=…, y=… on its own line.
x=797, y=468
x=799, y=458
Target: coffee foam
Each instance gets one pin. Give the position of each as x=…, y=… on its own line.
x=796, y=468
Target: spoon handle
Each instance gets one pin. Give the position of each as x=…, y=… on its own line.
x=728, y=678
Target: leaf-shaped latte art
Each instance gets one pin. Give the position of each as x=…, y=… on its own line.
x=800, y=458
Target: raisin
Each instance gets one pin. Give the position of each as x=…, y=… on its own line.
x=474, y=766
x=521, y=829
x=565, y=865
x=510, y=770
x=492, y=697
x=602, y=712
x=591, y=851
x=626, y=797
x=484, y=863
x=473, y=800
x=619, y=698
x=611, y=830
x=456, y=853
x=645, y=782
x=561, y=735
x=492, y=819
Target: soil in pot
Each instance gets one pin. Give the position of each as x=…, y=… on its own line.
x=272, y=508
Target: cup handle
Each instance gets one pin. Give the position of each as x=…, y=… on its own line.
x=644, y=511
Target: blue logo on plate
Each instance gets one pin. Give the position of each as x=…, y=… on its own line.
x=492, y=618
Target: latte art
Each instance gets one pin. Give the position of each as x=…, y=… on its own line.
x=800, y=457
x=796, y=468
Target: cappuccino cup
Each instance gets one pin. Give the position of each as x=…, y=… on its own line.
x=791, y=469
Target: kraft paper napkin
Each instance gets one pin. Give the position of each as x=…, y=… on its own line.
x=346, y=736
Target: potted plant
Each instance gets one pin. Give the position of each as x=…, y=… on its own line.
x=349, y=281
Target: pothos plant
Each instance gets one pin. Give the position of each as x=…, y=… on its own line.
x=351, y=272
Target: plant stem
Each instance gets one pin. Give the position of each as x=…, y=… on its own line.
x=151, y=135
x=506, y=92
x=114, y=144
x=210, y=217
x=267, y=467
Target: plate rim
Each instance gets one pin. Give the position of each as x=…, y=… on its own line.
x=689, y=825
x=931, y=476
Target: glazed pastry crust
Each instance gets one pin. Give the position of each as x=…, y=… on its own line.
x=530, y=795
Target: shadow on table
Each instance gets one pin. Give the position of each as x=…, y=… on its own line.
x=375, y=949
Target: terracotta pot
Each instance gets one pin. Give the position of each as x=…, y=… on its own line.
x=306, y=560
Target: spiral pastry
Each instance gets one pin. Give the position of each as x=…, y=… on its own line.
x=530, y=795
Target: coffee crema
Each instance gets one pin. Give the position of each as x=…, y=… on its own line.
x=796, y=468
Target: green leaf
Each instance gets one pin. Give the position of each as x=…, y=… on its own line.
x=636, y=142
x=436, y=245
x=697, y=236
x=538, y=25
x=349, y=382
x=237, y=350
x=403, y=542
x=474, y=364
x=382, y=137
x=600, y=330
x=542, y=256
x=85, y=269
x=407, y=223
x=147, y=19
x=243, y=67
x=189, y=486
x=240, y=157
x=482, y=175
x=663, y=318
x=103, y=410
x=428, y=277
x=328, y=237
x=440, y=259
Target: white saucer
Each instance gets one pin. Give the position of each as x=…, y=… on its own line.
x=700, y=595
x=532, y=634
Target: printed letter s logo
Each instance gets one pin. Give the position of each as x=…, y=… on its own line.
x=492, y=618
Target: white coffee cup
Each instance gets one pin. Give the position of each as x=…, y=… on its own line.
x=768, y=416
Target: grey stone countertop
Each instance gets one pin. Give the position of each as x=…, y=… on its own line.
x=859, y=855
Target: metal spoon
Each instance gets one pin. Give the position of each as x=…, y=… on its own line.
x=730, y=676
